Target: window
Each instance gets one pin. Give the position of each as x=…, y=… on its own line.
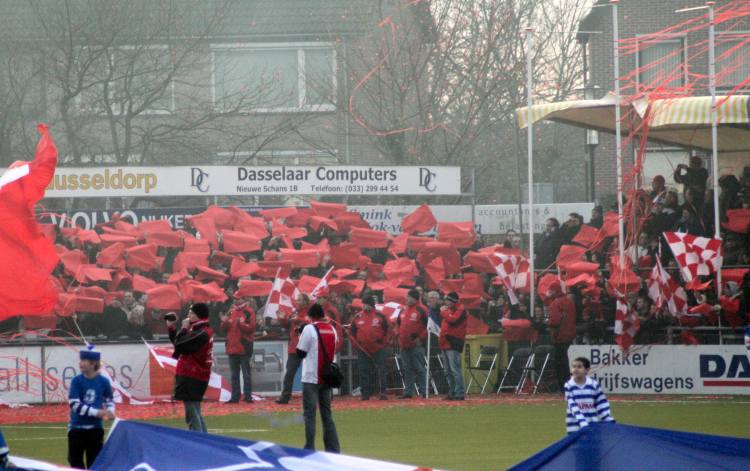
x=662, y=161
x=661, y=63
x=274, y=77
x=128, y=79
x=732, y=59
x=22, y=84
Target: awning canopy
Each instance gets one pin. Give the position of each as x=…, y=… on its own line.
x=683, y=122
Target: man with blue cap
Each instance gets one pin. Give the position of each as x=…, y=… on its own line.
x=91, y=401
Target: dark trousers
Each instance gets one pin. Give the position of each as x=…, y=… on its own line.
x=319, y=396
x=562, y=365
x=239, y=363
x=369, y=366
x=293, y=363
x=88, y=442
x=194, y=418
x=414, y=369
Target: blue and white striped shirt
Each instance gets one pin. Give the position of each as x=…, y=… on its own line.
x=586, y=404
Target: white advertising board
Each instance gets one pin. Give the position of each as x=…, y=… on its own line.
x=250, y=181
x=499, y=218
x=669, y=369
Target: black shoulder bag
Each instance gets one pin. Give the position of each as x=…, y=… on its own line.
x=331, y=374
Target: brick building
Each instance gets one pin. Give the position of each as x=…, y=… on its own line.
x=678, y=61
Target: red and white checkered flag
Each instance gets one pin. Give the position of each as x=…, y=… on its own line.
x=666, y=292
x=513, y=271
x=282, y=296
x=627, y=323
x=695, y=255
x=322, y=285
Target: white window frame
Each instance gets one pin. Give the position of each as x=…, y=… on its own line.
x=666, y=38
x=117, y=110
x=719, y=34
x=300, y=47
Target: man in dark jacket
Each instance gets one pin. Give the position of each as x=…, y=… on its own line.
x=239, y=327
x=193, y=349
x=693, y=177
x=549, y=245
x=451, y=342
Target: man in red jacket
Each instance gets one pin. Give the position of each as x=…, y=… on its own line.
x=295, y=322
x=370, y=333
x=239, y=327
x=451, y=342
x=193, y=349
x=562, y=325
x=412, y=332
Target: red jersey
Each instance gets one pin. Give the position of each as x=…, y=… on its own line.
x=562, y=319
x=294, y=324
x=412, y=326
x=333, y=316
x=370, y=331
x=239, y=329
x=193, y=348
x=452, y=328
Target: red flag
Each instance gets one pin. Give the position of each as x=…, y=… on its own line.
x=400, y=268
x=120, y=279
x=143, y=257
x=476, y=326
x=460, y=234
x=238, y=242
x=27, y=257
x=516, y=330
x=240, y=268
x=89, y=305
x=420, y=220
x=251, y=288
x=349, y=220
x=301, y=258
x=368, y=238
x=733, y=274
x=452, y=285
x=307, y=284
x=316, y=222
x=143, y=284
x=72, y=260
x=569, y=254
x=327, y=210
x=399, y=245
x=270, y=269
x=179, y=276
x=208, y=293
x=206, y=227
x=196, y=245
x=345, y=255
x=353, y=287
x=203, y=273
x=587, y=235
x=397, y=295
x=164, y=297
x=154, y=227
x=112, y=256
x=292, y=233
x=278, y=213
x=223, y=218
x=165, y=239
x=253, y=226
x=479, y=262
x=92, y=274
x=611, y=226
x=109, y=239
x=189, y=260
x=738, y=220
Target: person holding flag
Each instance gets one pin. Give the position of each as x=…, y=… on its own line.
x=412, y=332
x=333, y=316
x=239, y=327
x=294, y=322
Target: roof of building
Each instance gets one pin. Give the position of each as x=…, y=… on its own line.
x=239, y=18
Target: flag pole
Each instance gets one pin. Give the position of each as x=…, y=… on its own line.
x=714, y=139
x=530, y=149
x=618, y=133
x=427, y=372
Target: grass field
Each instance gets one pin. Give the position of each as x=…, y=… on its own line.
x=470, y=437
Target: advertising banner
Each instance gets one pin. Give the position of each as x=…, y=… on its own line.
x=88, y=182
x=669, y=369
x=490, y=219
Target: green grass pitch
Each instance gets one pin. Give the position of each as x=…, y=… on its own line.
x=478, y=437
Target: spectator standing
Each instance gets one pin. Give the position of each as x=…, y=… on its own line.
x=91, y=400
x=294, y=323
x=412, y=332
x=549, y=245
x=239, y=328
x=451, y=342
x=658, y=189
x=693, y=177
x=316, y=337
x=562, y=325
x=193, y=349
x=370, y=333
x=597, y=217
x=333, y=317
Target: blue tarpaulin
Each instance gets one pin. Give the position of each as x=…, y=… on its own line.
x=617, y=447
x=145, y=447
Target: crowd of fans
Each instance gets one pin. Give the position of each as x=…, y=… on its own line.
x=127, y=315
